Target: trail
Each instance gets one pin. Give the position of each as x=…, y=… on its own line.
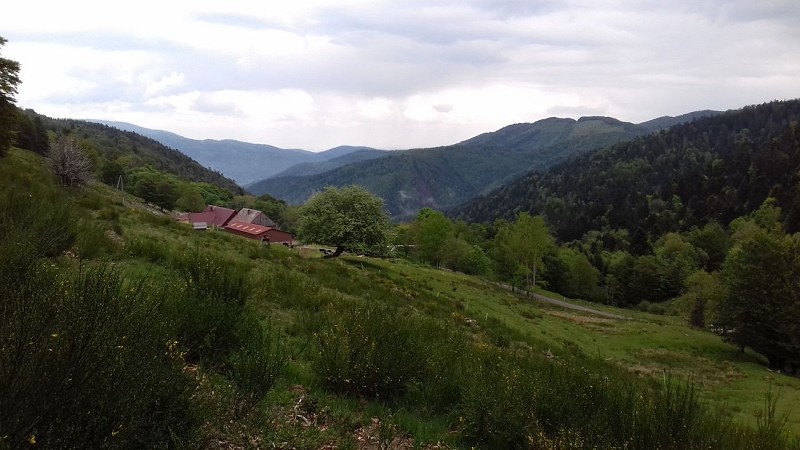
x=567, y=305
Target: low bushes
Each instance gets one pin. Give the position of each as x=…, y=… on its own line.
x=497, y=397
x=369, y=350
x=83, y=363
x=258, y=362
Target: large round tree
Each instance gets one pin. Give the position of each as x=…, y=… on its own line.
x=350, y=219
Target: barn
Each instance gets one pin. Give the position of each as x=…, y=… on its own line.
x=259, y=232
x=255, y=217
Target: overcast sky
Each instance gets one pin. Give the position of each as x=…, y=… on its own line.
x=395, y=74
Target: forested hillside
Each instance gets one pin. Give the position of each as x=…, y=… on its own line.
x=716, y=168
x=313, y=168
x=108, y=146
x=446, y=176
x=162, y=176
x=243, y=162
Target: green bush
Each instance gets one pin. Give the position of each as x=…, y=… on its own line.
x=369, y=350
x=150, y=249
x=519, y=402
x=496, y=410
x=214, y=296
x=92, y=240
x=292, y=289
x=258, y=362
x=83, y=364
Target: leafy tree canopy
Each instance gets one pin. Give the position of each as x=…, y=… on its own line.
x=347, y=218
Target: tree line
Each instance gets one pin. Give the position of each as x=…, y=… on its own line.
x=741, y=281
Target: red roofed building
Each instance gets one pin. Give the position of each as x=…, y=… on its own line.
x=214, y=216
x=259, y=232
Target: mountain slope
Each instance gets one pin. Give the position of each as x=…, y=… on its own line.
x=715, y=168
x=446, y=176
x=664, y=122
x=138, y=150
x=242, y=161
x=312, y=168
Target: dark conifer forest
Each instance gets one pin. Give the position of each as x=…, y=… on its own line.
x=712, y=169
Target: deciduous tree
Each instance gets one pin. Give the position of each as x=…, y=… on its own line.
x=525, y=242
x=433, y=230
x=69, y=162
x=350, y=219
x=762, y=278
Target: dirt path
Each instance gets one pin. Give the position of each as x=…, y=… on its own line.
x=567, y=305
x=564, y=304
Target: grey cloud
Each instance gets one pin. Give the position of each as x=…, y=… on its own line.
x=240, y=21
x=209, y=105
x=443, y=108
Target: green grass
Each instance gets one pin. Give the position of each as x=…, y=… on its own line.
x=646, y=344
x=460, y=336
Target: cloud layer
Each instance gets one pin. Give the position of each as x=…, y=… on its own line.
x=395, y=74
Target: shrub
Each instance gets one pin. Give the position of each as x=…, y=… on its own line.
x=370, y=350
x=497, y=410
x=83, y=364
x=151, y=249
x=258, y=363
x=215, y=292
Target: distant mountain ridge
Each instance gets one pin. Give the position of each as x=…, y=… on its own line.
x=443, y=177
x=136, y=150
x=664, y=122
x=716, y=168
x=408, y=180
x=243, y=162
x=313, y=168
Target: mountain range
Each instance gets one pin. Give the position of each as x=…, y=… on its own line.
x=243, y=162
x=408, y=180
x=444, y=177
x=713, y=169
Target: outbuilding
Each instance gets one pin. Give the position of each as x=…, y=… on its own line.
x=260, y=232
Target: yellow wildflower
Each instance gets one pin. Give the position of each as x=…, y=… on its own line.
x=32, y=439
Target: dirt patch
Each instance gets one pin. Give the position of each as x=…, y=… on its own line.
x=594, y=323
x=698, y=370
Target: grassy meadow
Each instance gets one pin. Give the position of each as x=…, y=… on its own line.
x=224, y=343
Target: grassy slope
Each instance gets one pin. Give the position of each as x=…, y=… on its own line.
x=646, y=344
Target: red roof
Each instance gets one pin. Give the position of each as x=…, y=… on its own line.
x=248, y=228
x=220, y=216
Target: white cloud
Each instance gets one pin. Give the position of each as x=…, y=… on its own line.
x=395, y=74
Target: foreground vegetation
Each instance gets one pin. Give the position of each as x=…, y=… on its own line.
x=123, y=329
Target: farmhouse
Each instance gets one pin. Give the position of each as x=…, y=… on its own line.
x=259, y=232
x=213, y=216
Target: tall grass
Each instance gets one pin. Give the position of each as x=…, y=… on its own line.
x=497, y=397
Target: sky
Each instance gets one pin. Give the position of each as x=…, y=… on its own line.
x=395, y=74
